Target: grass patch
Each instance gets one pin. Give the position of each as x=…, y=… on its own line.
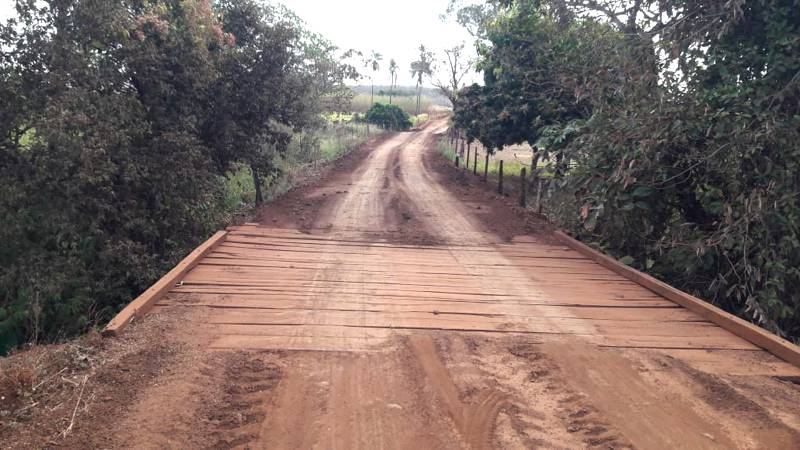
x=340, y=139
x=419, y=120
x=510, y=168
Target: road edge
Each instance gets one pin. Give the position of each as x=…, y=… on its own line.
x=144, y=302
x=754, y=334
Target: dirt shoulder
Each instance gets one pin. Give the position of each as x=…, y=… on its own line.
x=69, y=395
x=498, y=213
x=300, y=206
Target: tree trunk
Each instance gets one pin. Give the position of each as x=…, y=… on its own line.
x=534, y=168
x=500, y=178
x=257, y=184
x=419, y=92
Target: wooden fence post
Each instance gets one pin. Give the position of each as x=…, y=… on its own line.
x=475, y=162
x=539, y=197
x=466, y=165
x=486, y=168
x=456, y=161
x=500, y=178
x=523, y=191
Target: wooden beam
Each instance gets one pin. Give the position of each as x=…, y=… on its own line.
x=148, y=298
x=754, y=334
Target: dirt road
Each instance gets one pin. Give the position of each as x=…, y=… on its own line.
x=385, y=308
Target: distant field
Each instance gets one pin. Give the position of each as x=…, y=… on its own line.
x=361, y=103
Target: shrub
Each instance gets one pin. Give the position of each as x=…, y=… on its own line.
x=388, y=117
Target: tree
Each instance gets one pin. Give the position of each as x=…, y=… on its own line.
x=457, y=66
x=420, y=69
x=104, y=180
x=286, y=76
x=118, y=124
x=673, y=129
x=393, y=68
x=373, y=62
x=388, y=117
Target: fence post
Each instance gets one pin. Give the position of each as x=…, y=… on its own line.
x=456, y=161
x=475, y=162
x=523, y=192
x=539, y=197
x=466, y=164
x=500, y=178
x=486, y=168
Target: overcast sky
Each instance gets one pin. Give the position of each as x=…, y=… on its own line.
x=393, y=28
x=6, y=8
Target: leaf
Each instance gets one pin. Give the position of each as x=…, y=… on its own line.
x=642, y=191
x=627, y=260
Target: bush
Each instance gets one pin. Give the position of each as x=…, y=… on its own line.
x=388, y=117
x=678, y=154
x=126, y=132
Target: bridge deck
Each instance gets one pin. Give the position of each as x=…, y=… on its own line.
x=269, y=288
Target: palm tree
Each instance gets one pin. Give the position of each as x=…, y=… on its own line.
x=393, y=67
x=420, y=69
x=373, y=62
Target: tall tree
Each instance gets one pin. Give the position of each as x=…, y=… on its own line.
x=373, y=63
x=456, y=67
x=393, y=68
x=421, y=68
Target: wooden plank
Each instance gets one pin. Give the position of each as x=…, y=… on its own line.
x=599, y=313
x=752, y=333
x=277, y=269
x=733, y=362
x=199, y=292
x=670, y=335
x=147, y=299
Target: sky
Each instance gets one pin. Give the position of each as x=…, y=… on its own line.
x=393, y=28
x=6, y=9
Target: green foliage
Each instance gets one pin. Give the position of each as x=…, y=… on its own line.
x=124, y=127
x=388, y=117
x=337, y=140
x=678, y=154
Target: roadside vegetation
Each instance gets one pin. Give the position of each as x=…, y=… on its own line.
x=670, y=131
x=402, y=96
x=510, y=168
x=131, y=130
x=388, y=117
x=305, y=153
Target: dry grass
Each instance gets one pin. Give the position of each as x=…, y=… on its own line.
x=361, y=103
x=29, y=375
x=51, y=392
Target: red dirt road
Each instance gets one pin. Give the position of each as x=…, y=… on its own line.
x=388, y=310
